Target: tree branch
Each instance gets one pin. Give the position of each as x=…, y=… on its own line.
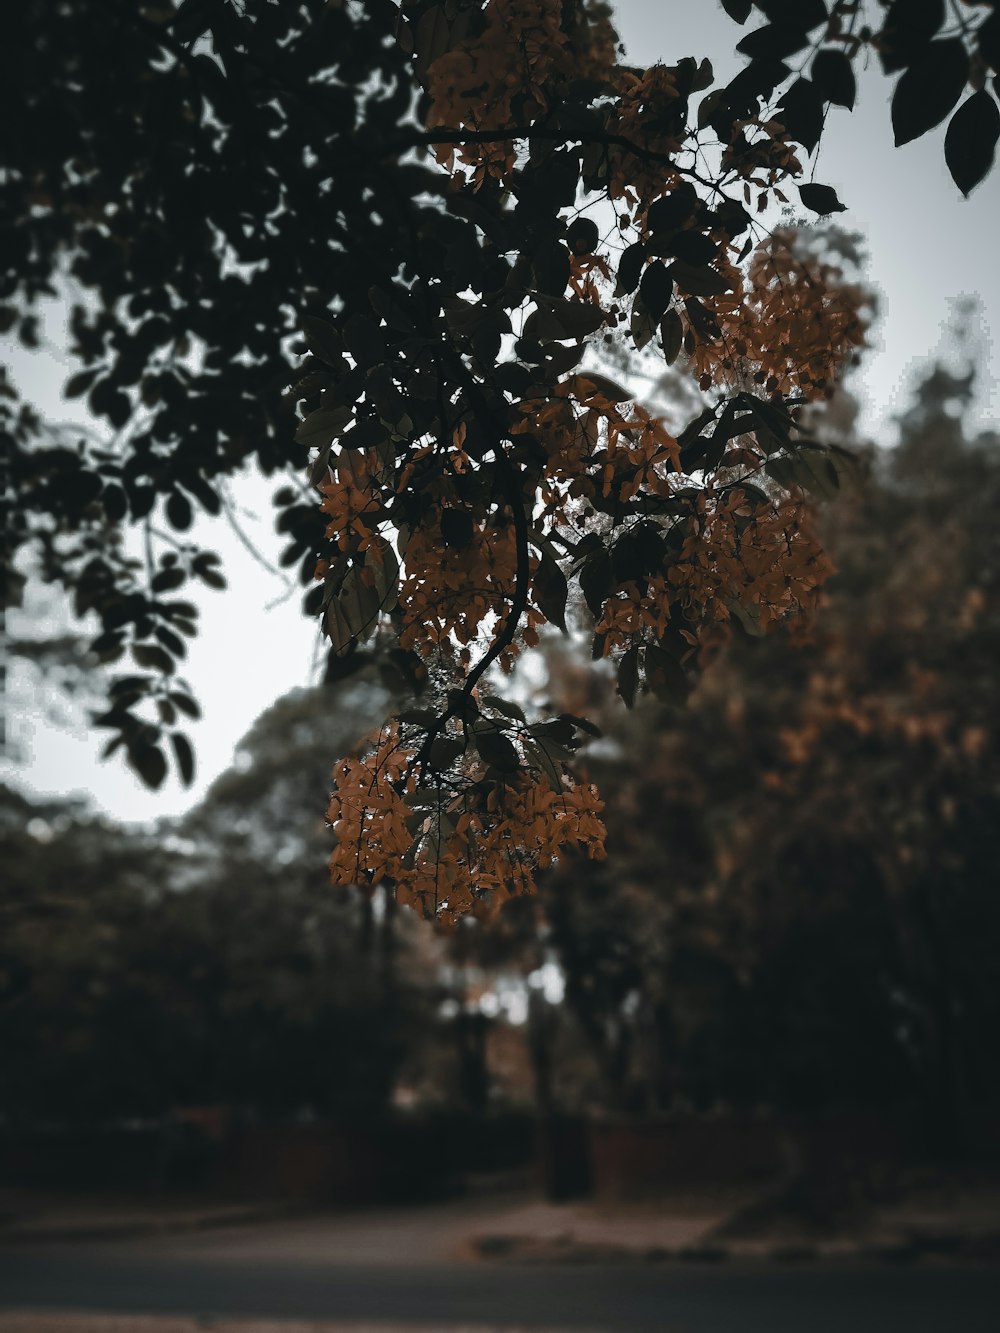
x=441, y=135
x=513, y=494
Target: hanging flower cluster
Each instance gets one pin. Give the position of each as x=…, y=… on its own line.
x=466, y=841
x=789, y=326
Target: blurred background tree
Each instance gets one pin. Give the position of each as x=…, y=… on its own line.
x=799, y=908
x=208, y=963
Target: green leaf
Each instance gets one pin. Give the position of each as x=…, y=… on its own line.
x=801, y=112
x=582, y=236
x=78, y=384
x=319, y=466
x=628, y=675
x=809, y=466
x=359, y=603
x=550, y=266
x=364, y=340
x=928, y=90
x=726, y=428
x=694, y=281
x=167, y=579
x=637, y=553
x=172, y=642
x=457, y=528
x=495, y=749
x=732, y=217
x=154, y=658
x=582, y=724
x=630, y=268
x=431, y=37
x=551, y=590
x=642, y=326
x=575, y=318
x=671, y=336
x=988, y=42
x=656, y=289
x=184, y=756
x=772, y=416
x=506, y=706
x=694, y=247
x=364, y=434
x=486, y=343
x=833, y=74
x=385, y=570
x=779, y=468
x=738, y=10
x=444, y=751
x=551, y=758
x=597, y=579
x=558, y=730
x=323, y=340
x=179, y=511
x=971, y=140
x=386, y=305
x=909, y=25
x=691, y=445
x=672, y=210
x=772, y=42
x=665, y=676
x=559, y=357
x=322, y=428
x=588, y=382
x=203, y=493
x=418, y=717
x=338, y=628
x=461, y=704
x=821, y=199
x=801, y=14
x=463, y=316
x=709, y=106
x=703, y=322
x=115, y=503
x=149, y=763
x=186, y=704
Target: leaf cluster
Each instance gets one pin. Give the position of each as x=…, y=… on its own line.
x=939, y=52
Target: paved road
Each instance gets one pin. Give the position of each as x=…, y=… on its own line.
x=236, y=1273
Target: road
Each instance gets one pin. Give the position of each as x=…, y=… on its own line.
x=290, y=1272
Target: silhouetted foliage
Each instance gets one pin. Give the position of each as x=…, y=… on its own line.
x=442, y=207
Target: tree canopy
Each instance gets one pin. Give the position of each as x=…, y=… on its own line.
x=798, y=906
x=435, y=221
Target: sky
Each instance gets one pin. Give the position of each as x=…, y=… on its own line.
x=926, y=246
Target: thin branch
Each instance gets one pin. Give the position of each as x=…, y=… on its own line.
x=513, y=494
x=227, y=509
x=519, y=600
x=441, y=135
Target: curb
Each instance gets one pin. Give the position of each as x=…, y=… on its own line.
x=122, y=1229
x=953, y=1247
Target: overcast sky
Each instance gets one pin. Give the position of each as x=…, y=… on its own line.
x=926, y=245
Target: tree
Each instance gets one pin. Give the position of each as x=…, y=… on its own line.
x=458, y=205
x=207, y=963
x=798, y=908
